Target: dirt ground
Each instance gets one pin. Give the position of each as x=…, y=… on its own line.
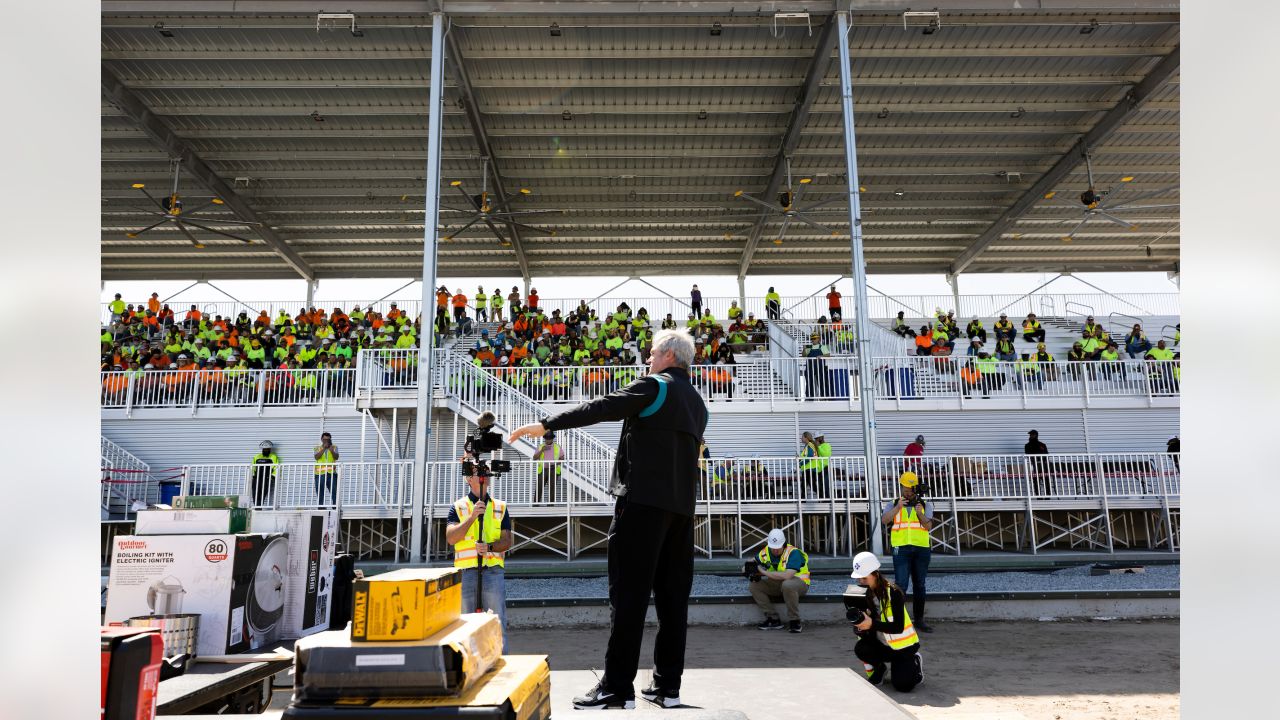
x=1095, y=670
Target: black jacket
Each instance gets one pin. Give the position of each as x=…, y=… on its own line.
x=657, y=462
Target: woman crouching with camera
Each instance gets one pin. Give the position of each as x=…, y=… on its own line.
x=885, y=633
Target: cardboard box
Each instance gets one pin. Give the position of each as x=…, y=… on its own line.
x=517, y=687
x=235, y=582
x=211, y=521
x=329, y=666
x=313, y=538
x=196, y=502
x=409, y=604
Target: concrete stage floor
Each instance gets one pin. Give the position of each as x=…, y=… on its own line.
x=1012, y=670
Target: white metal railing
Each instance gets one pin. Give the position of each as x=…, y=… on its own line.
x=368, y=485
x=795, y=307
x=841, y=339
x=1062, y=476
x=208, y=388
x=125, y=478
x=983, y=478
x=912, y=378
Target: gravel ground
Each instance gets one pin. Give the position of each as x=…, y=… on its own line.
x=1157, y=577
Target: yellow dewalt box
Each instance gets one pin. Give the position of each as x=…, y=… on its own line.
x=409, y=604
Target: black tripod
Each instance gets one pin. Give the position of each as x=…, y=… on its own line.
x=484, y=498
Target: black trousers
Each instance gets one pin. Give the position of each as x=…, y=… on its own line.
x=650, y=551
x=903, y=672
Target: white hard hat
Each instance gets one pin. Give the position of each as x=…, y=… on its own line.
x=776, y=539
x=265, y=444
x=864, y=563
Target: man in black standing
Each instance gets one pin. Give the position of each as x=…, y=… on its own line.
x=655, y=479
x=1039, y=465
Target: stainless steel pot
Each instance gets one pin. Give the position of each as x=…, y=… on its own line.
x=165, y=597
x=179, y=631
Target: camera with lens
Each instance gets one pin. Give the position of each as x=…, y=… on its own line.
x=751, y=570
x=483, y=441
x=856, y=604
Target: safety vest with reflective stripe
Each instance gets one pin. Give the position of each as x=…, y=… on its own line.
x=325, y=463
x=904, y=639
x=766, y=560
x=556, y=453
x=907, y=529
x=464, y=551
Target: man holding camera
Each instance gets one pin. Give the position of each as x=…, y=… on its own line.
x=480, y=531
x=655, y=478
x=910, y=518
x=326, y=456
x=779, y=569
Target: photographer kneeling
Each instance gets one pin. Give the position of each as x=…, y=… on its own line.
x=779, y=569
x=885, y=633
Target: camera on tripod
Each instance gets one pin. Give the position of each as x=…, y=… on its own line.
x=480, y=443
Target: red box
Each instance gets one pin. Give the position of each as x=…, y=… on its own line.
x=131, y=660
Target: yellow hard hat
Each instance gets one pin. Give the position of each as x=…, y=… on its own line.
x=908, y=479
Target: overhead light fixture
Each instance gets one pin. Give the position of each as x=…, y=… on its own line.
x=315, y=115
x=566, y=116
x=555, y=29
x=333, y=20
x=899, y=192
x=934, y=18
x=884, y=113
x=1049, y=195
x=792, y=16
x=702, y=114
x=1127, y=178
x=632, y=196
x=716, y=28
x=164, y=32
x=1088, y=29
x=862, y=188
x=1017, y=113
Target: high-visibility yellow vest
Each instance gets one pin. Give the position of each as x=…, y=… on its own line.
x=766, y=561
x=325, y=463
x=904, y=639
x=556, y=454
x=810, y=457
x=907, y=529
x=464, y=551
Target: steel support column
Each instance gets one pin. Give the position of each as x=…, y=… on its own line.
x=422, y=430
x=862, y=323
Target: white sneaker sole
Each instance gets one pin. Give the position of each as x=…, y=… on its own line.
x=663, y=701
x=628, y=705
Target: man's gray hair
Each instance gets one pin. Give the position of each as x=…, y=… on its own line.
x=679, y=342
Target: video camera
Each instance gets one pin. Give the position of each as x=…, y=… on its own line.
x=751, y=570
x=477, y=445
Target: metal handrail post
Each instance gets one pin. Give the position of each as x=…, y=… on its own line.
x=1106, y=508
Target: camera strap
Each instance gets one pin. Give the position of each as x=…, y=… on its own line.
x=660, y=399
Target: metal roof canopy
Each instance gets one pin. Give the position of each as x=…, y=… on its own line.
x=640, y=123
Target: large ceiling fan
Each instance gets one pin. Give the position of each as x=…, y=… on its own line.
x=1104, y=204
x=488, y=208
x=171, y=211
x=787, y=205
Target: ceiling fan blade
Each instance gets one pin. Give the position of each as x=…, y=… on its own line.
x=786, y=223
x=149, y=227
x=215, y=232
x=1112, y=218
x=220, y=221
x=459, y=231
x=510, y=213
x=820, y=203
x=470, y=201
x=152, y=199
x=761, y=203
x=454, y=209
x=1141, y=196
x=139, y=208
x=199, y=245
x=813, y=224
x=1144, y=207
x=496, y=233
x=530, y=228
x=1076, y=229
